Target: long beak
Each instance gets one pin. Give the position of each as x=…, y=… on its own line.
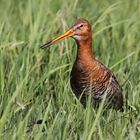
x=67, y=34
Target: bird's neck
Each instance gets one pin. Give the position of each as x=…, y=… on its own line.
x=84, y=50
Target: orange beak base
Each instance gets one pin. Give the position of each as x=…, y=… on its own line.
x=67, y=34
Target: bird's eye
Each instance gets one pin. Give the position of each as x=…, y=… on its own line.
x=81, y=25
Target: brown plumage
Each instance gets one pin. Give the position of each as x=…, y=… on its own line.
x=88, y=75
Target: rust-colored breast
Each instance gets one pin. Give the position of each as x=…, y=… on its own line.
x=96, y=79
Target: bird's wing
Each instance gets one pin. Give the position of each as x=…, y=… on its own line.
x=104, y=82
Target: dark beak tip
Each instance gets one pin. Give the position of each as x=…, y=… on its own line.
x=43, y=46
x=46, y=45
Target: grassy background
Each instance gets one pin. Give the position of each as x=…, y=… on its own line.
x=34, y=84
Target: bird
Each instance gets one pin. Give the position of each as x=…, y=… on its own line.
x=88, y=75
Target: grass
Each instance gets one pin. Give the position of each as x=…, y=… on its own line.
x=34, y=84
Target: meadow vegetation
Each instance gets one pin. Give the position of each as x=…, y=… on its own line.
x=34, y=84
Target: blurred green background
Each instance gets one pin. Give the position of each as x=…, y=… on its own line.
x=34, y=84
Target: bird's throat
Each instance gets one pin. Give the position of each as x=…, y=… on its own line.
x=84, y=50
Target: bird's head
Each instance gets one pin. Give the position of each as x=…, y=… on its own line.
x=80, y=31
